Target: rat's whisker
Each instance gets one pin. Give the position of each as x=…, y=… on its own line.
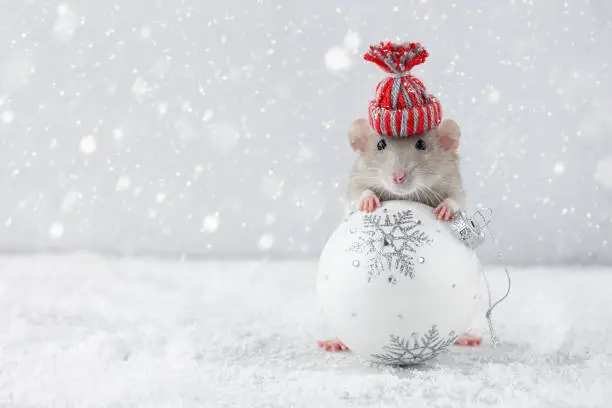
x=364, y=177
x=430, y=196
x=419, y=194
x=425, y=194
x=435, y=196
x=372, y=180
x=428, y=191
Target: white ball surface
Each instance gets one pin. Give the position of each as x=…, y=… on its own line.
x=396, y=285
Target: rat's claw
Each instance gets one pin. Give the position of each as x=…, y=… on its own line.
x=446, y=213
x=332, y=345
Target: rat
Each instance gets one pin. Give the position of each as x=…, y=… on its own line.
x=422, y=168
x=406, y=150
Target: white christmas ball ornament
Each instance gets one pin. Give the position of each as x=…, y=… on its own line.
x=397, y=286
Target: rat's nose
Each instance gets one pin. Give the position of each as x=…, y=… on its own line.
x=398, y=177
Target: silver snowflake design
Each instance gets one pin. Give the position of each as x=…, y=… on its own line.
x=414, y=350
x=390, y=240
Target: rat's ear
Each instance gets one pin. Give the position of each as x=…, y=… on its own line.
x=449, y=134
x=359, y=134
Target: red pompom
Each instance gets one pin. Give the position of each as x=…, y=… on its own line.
x=396, y=58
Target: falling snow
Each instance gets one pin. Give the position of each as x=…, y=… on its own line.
x=56, y=230
x=603, y=174
x=117, y=134
x=160, y=197
x=123, y=183
x=145, y=32
x=340, y=58
x=66, y=23
x=559, y=168
x=126, y=128
x=162, y=108
x=493, y=95
x=140, y=87
x=88, y=144
x=272, y=186
x=70, y=201
x=223, y=136
x=7, y=117
x=270, y=219
x=211, y=223
x=208, y=115
x=266, y=241
x=304, y=153
x=352, y=42
x=337, y=59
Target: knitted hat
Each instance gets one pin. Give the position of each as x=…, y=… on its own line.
x=402, y=107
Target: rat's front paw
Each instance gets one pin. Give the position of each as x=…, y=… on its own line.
x=368, y=202
x=446, y=210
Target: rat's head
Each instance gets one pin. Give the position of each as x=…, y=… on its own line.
x=409, y=165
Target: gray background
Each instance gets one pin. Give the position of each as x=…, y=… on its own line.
x=218, y=128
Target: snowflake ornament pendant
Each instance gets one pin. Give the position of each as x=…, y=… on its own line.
x=390, y=242
x=414, y=349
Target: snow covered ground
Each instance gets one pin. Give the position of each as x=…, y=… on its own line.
x=87, y=331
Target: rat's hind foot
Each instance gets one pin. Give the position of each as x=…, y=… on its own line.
x=446, y=210
x=368, y=202
x=468, y=340
x=332, y=345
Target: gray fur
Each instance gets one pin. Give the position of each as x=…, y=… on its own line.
x=432, y=175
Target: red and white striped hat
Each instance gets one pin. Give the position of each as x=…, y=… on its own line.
x=402, y=107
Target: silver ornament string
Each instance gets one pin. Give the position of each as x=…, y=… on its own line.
x=472, y=235
x=489, y=313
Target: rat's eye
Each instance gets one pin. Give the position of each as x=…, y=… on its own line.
x=381, y=144
x=420, y=144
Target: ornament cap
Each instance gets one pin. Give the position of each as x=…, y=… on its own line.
x=471, y=231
